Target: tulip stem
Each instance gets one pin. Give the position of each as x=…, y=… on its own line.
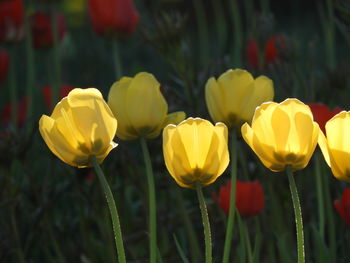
x=194, y=244
x=30, y=68
x=56, y=56
x=206, y=224
x=298, y=216
x=152, y=202
x=13, y=88
x=319, y=195
x=116, y=58
x=112, y=209
x=231, y=214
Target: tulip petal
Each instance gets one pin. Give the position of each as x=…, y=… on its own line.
x=213, y=97
x=58, y=144
x=240, y=84
x=147, y=107
x=322, y=143
x=262, y=92
x=118, y=103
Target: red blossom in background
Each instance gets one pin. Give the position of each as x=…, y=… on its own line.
x=113, y=16
x=47, y=92
x=250, y=199
x=343, y=206
x=322, y=114
x=4, y=64
x=41, y=27
x=11, y=20
x=271, y=53
x=6, y=113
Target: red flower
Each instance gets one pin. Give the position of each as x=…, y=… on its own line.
x=250, y=199
x=271, y=53
x=343, y=206
x=47, y=92
x=322, y=114
x=22, y=106
x=4, y=64
x=42, y=33
x=113, y=16
x=11, y=20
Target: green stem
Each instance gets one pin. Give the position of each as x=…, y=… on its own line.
x=203, y=44
x=20, y=253
x=247, y=241
x=220, y=26
x=237, y=27
x=13, y=88
x=116, y=58
x=194, y=245
x=319, y=195
x=206, y=224
x=152, y=202
x=298, y=217
x=56, y=57
x=30, y=69
x=112, y=209
x=330, y=36
x=330, y=218
x=230, y=221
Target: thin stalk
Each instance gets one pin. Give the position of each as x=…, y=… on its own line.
x=206, y=224
x=20, y=253
x=112, y=209
x=298, y=216
x=242, y=251
x=237, y=33
x=330, y=35
x=152, y=202
x=203, y=44
x=30, y=69
x=13, y=88
x=230, y=221
x=319, y=195
x=194, y=245
x=56, y=57
x=330, y=218
x=117, y=60
x=247, y=242
x=220, y=26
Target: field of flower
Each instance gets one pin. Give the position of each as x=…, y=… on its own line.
x=169, y=131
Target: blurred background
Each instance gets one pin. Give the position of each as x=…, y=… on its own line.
x=50, y=212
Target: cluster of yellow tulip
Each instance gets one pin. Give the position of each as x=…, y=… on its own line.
x=283, y=136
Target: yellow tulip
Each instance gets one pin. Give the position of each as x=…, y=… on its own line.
x=195, y=151
x=336, y=147
x=140, y=107
x=282, y=134
x=233, y=97
x=81, y=125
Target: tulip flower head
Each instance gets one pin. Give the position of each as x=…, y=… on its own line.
x=271, y=51
x=335, y=147
x=41, y=27
x=113, y=17
x=282, y=134
x=140, y=107
x=250, y=199
x=195, y=151
x=322, y=114
x=343, y=206
x=233, y=97
x=11, y=20
x=81, y=125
